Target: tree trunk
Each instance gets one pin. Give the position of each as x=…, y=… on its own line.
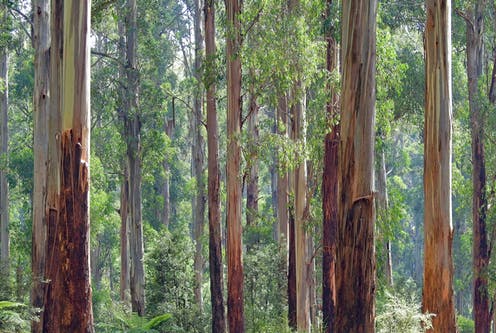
x=214, y=213
x=474, y=49
x=132, y=128
x=291, y=267
x=437, y=293
x=282, y=177
x=382, y=202
x=198, y=159
x=355, y=254
x=330, y=191
x=252, y=161
x=124, y=233
x=41, y=104
x=68, y=299
x=169, y=129
x=300, y=202
x=234, y=229
x=4, y=146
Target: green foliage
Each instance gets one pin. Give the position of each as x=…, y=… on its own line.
x=265, y=289
x=464, y=324
x=15, y=317
x=170, y=281
x=401, y=313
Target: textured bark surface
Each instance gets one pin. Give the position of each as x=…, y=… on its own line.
x=214, y=223
x=437, y=295
x=198, y=156
x=4, y=145
x=474, y=50
x=68, y=299
x=234, y=230
x=291, y=271
x=355, y=254
x=132, y=128
x=41, y=44
x=330, y=191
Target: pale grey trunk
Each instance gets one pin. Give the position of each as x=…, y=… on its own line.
x=198, y=159
x=41, y=103
x=4, y=144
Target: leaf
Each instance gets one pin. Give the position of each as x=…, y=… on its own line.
x=156, y=321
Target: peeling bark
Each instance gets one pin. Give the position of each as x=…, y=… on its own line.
x=437, y=295
x=355, y=253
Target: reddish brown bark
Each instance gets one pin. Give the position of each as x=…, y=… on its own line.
x=214, y=223
x=234, y=230
x=355, y=254
x=291, y=272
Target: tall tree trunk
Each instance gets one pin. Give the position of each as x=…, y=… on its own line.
x=68, y=300
x=198, y=151
x=355, y=254
x=234, y=229
x=292, y=322
x=4, y=145
x=214, y=213
x=330, y=189
x=437, y=296
x=125, y=291
x=124, y=233
x=300, y=202
x=41, y=104
x=382, y=202
x=252, y=187
x=132, y=128
x=474, y=49
x=282, y=177
x=169, y=130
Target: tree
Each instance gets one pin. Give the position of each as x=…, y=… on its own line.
x=474, y=17
x=132, y=136
x=4, y=147
x=41, y=103
x=68, y=300
x=214, y=224
x=198, y=155
x=330, y=185
x=437, y=293
x=234, y=229
x=355, y=254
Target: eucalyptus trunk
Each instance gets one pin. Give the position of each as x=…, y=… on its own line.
x=41, y=105
x=252, y=186
x=330, y=189
x=68, y=299
x=234, y=230
x=474, y=49
x=4, y=146
x=282, y=178
x=132, y=130
x=355, y=254
x=198, y=158
x=214, y=212
x=437, y=296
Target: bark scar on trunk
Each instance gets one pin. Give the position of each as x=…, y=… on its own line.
x=368, y=197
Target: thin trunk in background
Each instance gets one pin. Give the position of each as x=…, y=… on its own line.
x=252, y=161
x=437, y=295
x=355, y=254
x=41, y=104
x=68, y=305
x=330, y=187
x=474, y=31
x=4, y=147
x=198, y=158
x=282, y=177
x=214, y=213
